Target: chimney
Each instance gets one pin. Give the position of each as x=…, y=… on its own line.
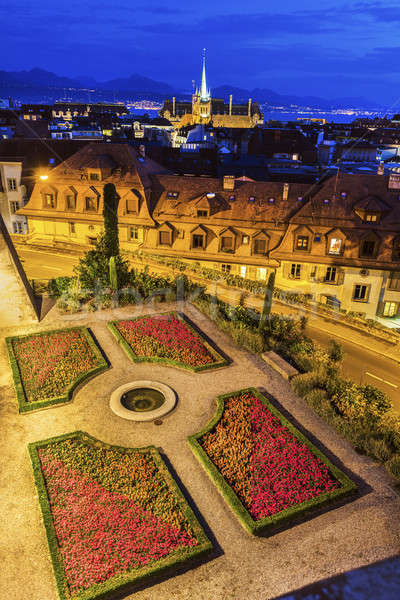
x=230, y=105
x=173, y=106
x=381, y=168
x=285, y=191
x=229, y=182
x=249, y=108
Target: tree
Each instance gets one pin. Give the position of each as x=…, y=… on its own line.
x=113, y=274
x=266, y=311
x=93, y=269
x=110, y=215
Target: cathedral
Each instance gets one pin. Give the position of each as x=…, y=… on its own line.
x=204, y=110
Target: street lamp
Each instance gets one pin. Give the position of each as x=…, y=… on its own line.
x=44, y=177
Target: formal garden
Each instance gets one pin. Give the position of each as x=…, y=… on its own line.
x=117, y=515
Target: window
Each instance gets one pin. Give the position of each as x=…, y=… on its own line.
x=368, y=248
x=335, y=246
x=17, y=227
x=90, y=204
x=243, y=270
x=262, y=273
x=231, y=198
x=371, y=218
x=70, y=202
x=360, y=293
x=14, y=207
x=259, y=246
x=172, y=194
x=71, y=227
x=330, y=274
x=94, y=177
x=198, y=241
x=317, y=237
x=226, y=268
x=295, y=271
x=165, y=238
x=132, y=205
x=302, y=242
x=394, y=281
x=133, y=234
x=11, y=185
x=245, y=239
x=251, y=199
x=202, y=213
x=49, y=201
x=226, y=243
x=396, y=248
x=390, y=309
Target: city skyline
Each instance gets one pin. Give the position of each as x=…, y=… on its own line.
x=341, y=51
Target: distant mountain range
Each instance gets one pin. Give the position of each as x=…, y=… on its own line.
x=38, y=85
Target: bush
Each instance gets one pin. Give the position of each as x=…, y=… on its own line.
x=307, y=382
x=393, y=466
x=378, y=448
x=335, y=352
x=59, y=286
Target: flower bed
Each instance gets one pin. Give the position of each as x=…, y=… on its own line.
x=113, y=516
x=265, y=468
x=166, y=338
x=47, y=366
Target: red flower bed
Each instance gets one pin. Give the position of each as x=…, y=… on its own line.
x=165, y=336
x=49, y=363
x=112, y=512
x=263, y=462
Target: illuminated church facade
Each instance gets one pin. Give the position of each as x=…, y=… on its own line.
x=205, y=110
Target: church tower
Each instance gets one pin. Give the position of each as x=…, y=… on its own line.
x=201, y=103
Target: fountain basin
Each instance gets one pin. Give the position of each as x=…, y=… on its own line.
x=142, y=401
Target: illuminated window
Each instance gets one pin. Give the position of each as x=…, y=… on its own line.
x=302, y=242
x=371, y=218
x=245, y=239
x=172, y=194
x=335, y=246
x=261, y=273
x=390, y=309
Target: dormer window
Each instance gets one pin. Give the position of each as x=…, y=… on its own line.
x=302, y=242
x=165, y=238
x=202, y=213
x=70, y=202
x=90, y=204
x=94, y=176
x=259, y=246
x=369, y=246
x=245, y=239
x=231, y=198
x=172, y=194
x=252, y=199
x=49, y=201
x=371, y=218
x=132, y=206
x=271, y=200
x=335, y=246
x=396, y=249
x=197, y=241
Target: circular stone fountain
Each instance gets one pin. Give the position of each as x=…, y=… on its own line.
x=142, y=400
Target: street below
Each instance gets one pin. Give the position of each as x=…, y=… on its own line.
x=360, y=363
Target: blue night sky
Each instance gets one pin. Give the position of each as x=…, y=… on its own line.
x=314, y=47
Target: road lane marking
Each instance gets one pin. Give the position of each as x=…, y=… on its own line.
x=380, y=379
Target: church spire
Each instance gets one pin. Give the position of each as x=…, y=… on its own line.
x=204, y=92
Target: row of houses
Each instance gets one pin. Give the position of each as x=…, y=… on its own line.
x=338, y=240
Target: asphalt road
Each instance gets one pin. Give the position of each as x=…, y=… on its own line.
x=360, y=363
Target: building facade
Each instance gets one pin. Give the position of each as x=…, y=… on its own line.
x=13, y=195
x=205, y=110
x=338, y=241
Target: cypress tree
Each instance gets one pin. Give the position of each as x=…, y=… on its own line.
x=266, y=311
x=110, y=216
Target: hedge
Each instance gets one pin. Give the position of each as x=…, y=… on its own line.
x=220, y=360
x=289, y=515
x=23, y=404
x=126, y=580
